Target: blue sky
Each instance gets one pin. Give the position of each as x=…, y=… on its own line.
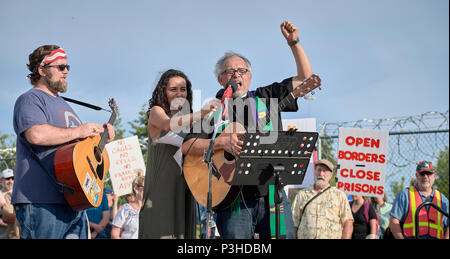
x=377, y=59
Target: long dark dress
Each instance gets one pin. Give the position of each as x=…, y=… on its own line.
x=168, y=209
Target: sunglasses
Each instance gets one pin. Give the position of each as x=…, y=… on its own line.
x=9, y=178
x=61, y=67
x=425, y=173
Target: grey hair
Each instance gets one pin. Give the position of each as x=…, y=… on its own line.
x=219, y=65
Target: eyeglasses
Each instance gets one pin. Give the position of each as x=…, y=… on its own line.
x=10, y=178
x=61, y=67
x=230, y=72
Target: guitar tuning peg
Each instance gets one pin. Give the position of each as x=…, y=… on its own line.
x=313, y=92
x=320, y=88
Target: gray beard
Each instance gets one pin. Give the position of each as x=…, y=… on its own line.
x=321, y=183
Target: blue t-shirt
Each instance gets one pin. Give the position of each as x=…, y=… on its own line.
x=401, y=206
x=31, y=183
x=96, y=214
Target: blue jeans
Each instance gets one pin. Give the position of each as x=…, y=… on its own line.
x=253, y=218
x=51, y=221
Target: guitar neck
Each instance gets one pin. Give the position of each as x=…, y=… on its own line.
x=286, y=101
x=105, y=136
x=308, y=85
x=281, y=105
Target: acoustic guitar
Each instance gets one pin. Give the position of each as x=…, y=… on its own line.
x=196, y=171
x=83, y=165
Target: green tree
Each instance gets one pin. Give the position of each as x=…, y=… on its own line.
x=139, y=125
x=397, y=186
x=442, y=174
x=139, y=128
x=118, y=129
x=7, y=151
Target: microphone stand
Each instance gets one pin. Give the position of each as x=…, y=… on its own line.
x=208, y=159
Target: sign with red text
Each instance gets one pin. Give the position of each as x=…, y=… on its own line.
x=126, y=160
x=362, y=158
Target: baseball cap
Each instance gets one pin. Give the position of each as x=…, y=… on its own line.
x=425, y=166
x=108, y=190
x=7, y=173
x=325, y=163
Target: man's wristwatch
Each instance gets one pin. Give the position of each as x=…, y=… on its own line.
x=292, y=43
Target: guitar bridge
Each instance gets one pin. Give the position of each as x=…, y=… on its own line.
x=92, y=167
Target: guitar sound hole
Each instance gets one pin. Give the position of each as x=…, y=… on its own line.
x=228, y=156
x=100, y=166
x=97, y=155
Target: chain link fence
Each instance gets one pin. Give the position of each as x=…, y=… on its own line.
x=411, y=139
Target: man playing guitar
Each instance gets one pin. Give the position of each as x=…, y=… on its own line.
x=249, y=214
x=43, y=121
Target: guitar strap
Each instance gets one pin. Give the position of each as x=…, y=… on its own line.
x=66, y=189
x=94, y=107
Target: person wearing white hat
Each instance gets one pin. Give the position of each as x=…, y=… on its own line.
x=7, y=179
x=8, y=225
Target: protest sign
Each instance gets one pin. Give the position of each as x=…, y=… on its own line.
x=362, y=158
x=126, y=160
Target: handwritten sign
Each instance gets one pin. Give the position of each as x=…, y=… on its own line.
x=362, y=158
x=126, y=160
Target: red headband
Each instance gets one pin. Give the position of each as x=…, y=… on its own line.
x=55, y=55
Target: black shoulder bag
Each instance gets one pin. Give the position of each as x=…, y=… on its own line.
x=315, y=196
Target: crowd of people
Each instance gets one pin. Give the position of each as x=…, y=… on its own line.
x=319, y=212
x=161, y=204
x=331, y=215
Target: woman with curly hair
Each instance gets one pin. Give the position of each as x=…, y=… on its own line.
x=168, y=208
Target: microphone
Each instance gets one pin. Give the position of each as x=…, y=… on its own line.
x=226, y=92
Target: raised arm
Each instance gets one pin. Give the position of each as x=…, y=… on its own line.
x=304, y=70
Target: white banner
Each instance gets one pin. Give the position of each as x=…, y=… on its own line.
x=305, y=125
x=126, y=160
x=362, y=158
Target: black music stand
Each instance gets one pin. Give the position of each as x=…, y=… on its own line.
x=281, y=163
